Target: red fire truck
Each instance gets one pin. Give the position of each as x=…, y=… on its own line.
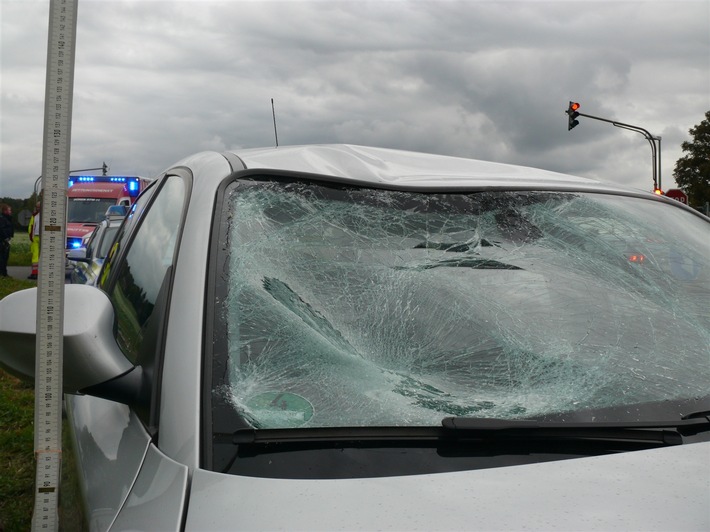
x=89, y=196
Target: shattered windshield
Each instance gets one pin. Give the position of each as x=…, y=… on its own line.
x=357, y=307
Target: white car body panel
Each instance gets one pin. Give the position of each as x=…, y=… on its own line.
x=161, y=484
x=110, y=445
x=660, y=489
x=180, y=404
x=397, y=167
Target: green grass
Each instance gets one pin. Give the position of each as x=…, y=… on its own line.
x=8, y=285
x=17, y=465
x=20, y=254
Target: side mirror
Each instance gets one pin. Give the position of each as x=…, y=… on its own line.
x=91, y=355
x=78, y=255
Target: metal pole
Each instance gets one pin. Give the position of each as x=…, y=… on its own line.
x=651, y=139
x=659, y=162
x=273, y=112
x=71, y=172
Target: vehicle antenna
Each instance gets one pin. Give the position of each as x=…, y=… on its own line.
x=273, y=112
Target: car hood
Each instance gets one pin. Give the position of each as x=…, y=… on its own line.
x=660, y=489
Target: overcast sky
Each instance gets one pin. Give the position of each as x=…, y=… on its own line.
x=156, y=81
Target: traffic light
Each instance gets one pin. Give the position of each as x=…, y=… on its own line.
x=657, y=191
x=572, y=115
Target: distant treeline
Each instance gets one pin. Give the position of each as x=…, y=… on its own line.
x=19, y=205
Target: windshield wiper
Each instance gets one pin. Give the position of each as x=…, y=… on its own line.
x=477, y=432
x=469, y=428
x=246, y=436
x=665, y=432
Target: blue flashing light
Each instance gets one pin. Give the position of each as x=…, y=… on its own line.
x=132, y=183
x=74, y=243
x=73, y=180
x=133, y=187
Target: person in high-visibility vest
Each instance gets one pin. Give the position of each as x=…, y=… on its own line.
x=33, y=231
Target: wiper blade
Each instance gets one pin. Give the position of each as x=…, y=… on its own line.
x=492, y=424
x=470, y=433
x=667, y=432
x=335, y=434
x=469, y=428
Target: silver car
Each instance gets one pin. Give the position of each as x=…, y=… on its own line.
x=339, y=337
x=88, y=259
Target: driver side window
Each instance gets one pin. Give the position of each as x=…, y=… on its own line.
x=140, y=291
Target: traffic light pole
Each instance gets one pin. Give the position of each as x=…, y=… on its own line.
x=655, y=151
x=103, y=168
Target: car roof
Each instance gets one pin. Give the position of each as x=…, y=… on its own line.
x=413, y=169
x=114, y=221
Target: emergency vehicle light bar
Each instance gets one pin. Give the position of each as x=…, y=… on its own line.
x=132, y=183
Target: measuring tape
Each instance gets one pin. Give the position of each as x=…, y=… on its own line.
x=50, y=285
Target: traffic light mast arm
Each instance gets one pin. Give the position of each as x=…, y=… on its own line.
x=104, y=168
x=655, y=154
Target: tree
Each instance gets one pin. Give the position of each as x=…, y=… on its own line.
x=19, y=205
x=692, y=171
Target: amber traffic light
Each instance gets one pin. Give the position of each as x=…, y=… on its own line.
x=572, y=115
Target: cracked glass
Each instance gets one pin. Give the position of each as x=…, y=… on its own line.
x=366, y=307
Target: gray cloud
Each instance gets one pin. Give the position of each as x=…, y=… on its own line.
x=158, y=80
